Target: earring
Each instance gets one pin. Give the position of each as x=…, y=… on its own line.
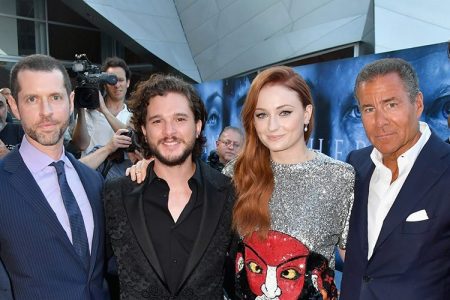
x=306, y=128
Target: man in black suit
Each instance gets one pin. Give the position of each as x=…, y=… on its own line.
x=170, y=234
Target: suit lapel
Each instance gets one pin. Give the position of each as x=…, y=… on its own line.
x=426, y=171
x=23, y=181
x=366, y=172
x=135, y=210
x=213, y=200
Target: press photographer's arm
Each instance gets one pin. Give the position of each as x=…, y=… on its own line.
x=96, y=158
x=115, y=123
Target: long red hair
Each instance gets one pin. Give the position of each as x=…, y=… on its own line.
x=253, y=176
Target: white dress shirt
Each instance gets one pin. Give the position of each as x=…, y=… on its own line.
x=382, y=193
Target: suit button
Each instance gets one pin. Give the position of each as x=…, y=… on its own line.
x=366, y=278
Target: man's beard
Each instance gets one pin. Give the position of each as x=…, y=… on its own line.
x=49, y=139
x=174, y=160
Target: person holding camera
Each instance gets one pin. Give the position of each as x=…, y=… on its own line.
x=96, y=127
x=110, y=160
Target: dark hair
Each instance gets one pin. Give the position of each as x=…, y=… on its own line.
x=235, y=129
x=253, y=176
x=161, y=85
x=386, y=66
x=37, y=62
x=113, y=62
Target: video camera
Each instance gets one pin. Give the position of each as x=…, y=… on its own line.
x=89, y=79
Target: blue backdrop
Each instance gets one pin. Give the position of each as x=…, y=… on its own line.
x=338, y=126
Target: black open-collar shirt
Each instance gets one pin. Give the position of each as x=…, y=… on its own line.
x=173, y=241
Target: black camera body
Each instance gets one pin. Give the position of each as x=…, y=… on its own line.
x=134, y=144
x=118, y=155
x=89, y=79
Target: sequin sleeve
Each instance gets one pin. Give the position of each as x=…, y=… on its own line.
x=348, y=197
x=228, y=169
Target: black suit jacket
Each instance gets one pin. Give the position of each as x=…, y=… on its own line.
x=140, y=273
x=411, y=260
x=38, y=256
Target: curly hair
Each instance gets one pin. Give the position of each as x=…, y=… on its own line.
x=161, y=85
x=253, y=176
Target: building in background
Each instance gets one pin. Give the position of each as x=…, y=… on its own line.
x=205, y=40
x=54, y=28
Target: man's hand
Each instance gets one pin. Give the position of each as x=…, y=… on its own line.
x=95, y=159
x=3, y=149
x=118, y=141
x=102, y=108
x=110, y=117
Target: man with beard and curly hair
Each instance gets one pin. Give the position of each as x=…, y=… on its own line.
x=170, y=234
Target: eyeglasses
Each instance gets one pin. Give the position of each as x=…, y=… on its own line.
x=229, y=143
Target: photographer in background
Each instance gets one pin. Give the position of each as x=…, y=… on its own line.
x=228, y=146
x=6, y=92
x=96, y=127
x=112, y=160
x=10, y=133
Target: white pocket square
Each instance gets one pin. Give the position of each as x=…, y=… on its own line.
x=420, y=215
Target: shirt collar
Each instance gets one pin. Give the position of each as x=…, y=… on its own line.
x=412, y=153
x=37, y=160
x=197, y=176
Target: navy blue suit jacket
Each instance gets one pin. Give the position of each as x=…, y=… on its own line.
x=37, y=254
x=411, y=260
x=5, y=286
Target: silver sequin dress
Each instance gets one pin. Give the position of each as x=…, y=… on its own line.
x=312, y=201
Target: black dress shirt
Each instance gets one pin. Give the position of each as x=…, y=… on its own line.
x=173, y=241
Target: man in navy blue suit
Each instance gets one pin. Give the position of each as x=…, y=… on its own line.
x=399, y=239
x=51, y=214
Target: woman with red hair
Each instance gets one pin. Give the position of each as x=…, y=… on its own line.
x=285, y=192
